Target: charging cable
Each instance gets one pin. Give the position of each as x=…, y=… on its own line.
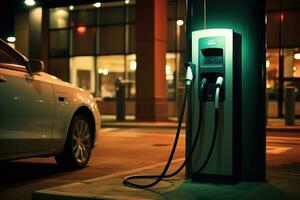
x=219, y=83
x=189, y=155
x=188, y=81
x=189, y=78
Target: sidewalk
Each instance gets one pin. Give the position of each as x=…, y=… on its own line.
x=274, y=124
x=279, y=186
x=283, y=178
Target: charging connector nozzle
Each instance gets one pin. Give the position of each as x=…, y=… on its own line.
x=188, y=76
x=219, y=81
x=219, y=84
x=190, y=73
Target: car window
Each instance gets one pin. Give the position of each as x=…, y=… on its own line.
x=9, y=62
x=5, y=58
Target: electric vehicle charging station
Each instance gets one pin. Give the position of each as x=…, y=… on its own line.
x=216, y=158
x=225, y=134
x=213, y=84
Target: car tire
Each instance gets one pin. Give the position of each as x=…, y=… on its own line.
x=78, y=145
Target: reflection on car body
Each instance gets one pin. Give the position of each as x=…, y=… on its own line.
x=43, y=115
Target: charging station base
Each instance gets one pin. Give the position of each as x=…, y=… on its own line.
x=216, y=179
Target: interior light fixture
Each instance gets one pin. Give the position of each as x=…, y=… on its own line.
x=281, y=16
x=11, y=39
x=29, y=2
x=81, y=29
x=71, y=7
x=179, y=22
x=127, y=1
x=105, y=71
x=133, y=65
x=297, y=56
x=97, y=5
x=168, y=69
x=268, y=64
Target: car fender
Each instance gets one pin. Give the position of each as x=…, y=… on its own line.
x=68, y=100
x=84, y=99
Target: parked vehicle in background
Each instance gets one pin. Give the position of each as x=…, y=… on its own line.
x=41, y=115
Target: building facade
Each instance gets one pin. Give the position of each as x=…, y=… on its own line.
x=90, y=44
x=283, y=53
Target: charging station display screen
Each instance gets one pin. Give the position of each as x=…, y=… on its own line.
x=212, y=56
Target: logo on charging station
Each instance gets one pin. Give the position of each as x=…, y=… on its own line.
x=211, y=42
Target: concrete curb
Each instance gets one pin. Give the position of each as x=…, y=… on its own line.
x=168, y=125
x=284, y=129
x=128, y=125
x=57, y=193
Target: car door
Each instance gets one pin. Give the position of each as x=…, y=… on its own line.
x=26, y=109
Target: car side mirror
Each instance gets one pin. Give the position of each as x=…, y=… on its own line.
x=35, y=66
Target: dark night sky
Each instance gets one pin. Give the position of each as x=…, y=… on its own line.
x=6, y=19
x=9, y=7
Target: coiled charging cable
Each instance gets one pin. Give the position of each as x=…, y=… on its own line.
x=188, y=80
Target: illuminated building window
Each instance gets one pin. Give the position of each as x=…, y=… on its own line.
x=82, y=73
x=59, y=18
x=109, y=68
x=99, y=46
x=131, y=67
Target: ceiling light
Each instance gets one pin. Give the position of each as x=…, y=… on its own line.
x=97, y=5
x=29, y=2
x=297, y=56
x=11, y=39
x=71, y=7
x=179, y=22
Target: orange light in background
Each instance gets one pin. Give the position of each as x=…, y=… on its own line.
x=281, y=16
x=81, y=30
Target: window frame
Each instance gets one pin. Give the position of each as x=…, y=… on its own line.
x=21, y=61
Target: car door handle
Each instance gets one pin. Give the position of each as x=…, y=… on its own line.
x=3, y=79
x=62, y=99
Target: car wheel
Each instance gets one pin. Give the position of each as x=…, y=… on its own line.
x=77, y=149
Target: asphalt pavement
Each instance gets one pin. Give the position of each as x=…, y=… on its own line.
x=283, y=180
x=127, y=150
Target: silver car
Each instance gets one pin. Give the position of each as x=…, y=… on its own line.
x=43, y=115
